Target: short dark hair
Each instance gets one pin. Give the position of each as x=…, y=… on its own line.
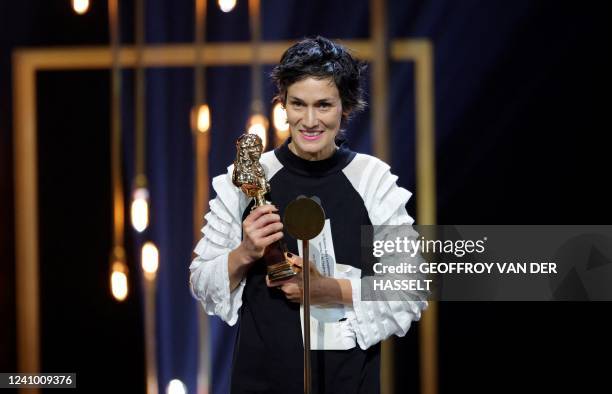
x=322, y=58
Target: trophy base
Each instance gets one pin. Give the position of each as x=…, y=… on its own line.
x=281, y=271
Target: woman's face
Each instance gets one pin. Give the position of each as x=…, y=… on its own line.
x=314, y=113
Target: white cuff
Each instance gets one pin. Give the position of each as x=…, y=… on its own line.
x=210, y=285
x=374, y=321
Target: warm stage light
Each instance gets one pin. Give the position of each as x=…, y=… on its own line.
x=227, y=5
x=201, y=118
x=119, y=283
x=140, y=209
x=176, y=387
x=258, y=124
x=80, y=6
x=150, y=260
x=279, y=119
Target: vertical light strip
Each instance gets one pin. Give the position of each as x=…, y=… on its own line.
x=140, y=211
x=426, y=145
x=150, y=263
x=140, y=102
x=258, y=122
x=150, y=341
x=113, y=15
x=118, y=252
x=200, y=37
x=200, y=205
x=380, y=79
x=256, y=80
x=426, y=204
x=380, y=140
x=140, y=182
x=26, y=216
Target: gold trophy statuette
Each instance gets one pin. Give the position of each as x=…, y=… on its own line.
x=250, y=177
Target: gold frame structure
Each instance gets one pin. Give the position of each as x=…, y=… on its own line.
x=27, y=62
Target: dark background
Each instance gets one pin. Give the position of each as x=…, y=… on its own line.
x=521, y=100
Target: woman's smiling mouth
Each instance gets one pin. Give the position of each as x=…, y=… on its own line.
x=311, y=135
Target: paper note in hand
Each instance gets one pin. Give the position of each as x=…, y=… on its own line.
x=322, y=254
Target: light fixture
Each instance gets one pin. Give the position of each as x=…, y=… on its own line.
x=150, y=260
x=200, y=116
x=227, y=5
x=140, y=209
x=80, y=6
x=279, y=119
x=258, y=124
x=119, y=275
x=176, y=387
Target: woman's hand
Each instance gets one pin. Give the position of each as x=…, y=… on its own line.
x=323, y=289
x=261, y=228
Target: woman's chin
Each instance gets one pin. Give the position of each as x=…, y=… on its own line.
x=310, y=147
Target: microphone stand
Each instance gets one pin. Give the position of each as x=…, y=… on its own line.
x=306, y=287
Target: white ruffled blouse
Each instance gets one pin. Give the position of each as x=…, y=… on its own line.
x=368, y=322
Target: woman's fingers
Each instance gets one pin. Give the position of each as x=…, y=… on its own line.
x=267, y=230
x=295, y=260
x=262, y=222
x=264, y=237
x=261, y=228
x=279, y=283
x=290, y=287
x=258, y=212
x=266, y=219
x=292, y=291
x=298, y=262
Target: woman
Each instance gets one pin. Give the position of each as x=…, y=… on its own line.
x=319, y=85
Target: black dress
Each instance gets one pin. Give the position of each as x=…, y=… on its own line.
x=268, y=356
x=354, y=190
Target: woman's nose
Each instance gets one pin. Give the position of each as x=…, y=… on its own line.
x=310, y=119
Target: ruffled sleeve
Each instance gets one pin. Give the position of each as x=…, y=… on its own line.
x=222, y=233
x=374, y=321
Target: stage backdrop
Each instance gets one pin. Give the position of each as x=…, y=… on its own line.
x=170, y=157
x=521, y=122
x=495, y=67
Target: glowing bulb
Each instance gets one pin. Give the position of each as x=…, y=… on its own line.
x=119, y=283
x=258, y=124
x=80, y=6
x=227, y=5
x=176, y=387
x=279, y=116
x=150, y=260
x=140, y=209
x=203, y=118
